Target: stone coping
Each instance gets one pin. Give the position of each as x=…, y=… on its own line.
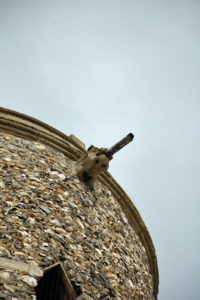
x=30, y=128
x=20, y=266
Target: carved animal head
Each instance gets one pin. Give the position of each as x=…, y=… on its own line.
x=91, y=165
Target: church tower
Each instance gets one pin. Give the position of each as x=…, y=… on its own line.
x=58, y=238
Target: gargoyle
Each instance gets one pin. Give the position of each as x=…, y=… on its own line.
x=94, y=162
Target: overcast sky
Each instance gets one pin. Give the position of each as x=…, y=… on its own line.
x=101, y=69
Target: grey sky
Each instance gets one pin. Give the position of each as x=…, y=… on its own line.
x=100, y=69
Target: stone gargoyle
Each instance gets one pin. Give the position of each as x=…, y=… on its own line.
x=88, y=167
x=96, y=160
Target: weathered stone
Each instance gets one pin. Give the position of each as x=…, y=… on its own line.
x=8, y=180
x=47, y=215
x=45, y=209
x=21, y=266
x=29, y=280
x=5, y=275
x=30, y=147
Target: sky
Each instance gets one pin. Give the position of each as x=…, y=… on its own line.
x=102, y=69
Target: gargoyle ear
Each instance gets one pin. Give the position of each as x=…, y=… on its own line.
x=90, y=148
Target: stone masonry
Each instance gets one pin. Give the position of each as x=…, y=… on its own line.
x=49, y=216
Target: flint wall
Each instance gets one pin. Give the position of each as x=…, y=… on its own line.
x=48, y=216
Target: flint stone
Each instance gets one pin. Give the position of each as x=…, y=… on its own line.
x=93, y=238
x=5, y=276
x=29, y=280
x=69, y=265
x=9, y=288
x=30, y=147
x=45, y=209
x=8, y=180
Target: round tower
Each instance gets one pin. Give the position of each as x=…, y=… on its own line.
x=58, y=238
